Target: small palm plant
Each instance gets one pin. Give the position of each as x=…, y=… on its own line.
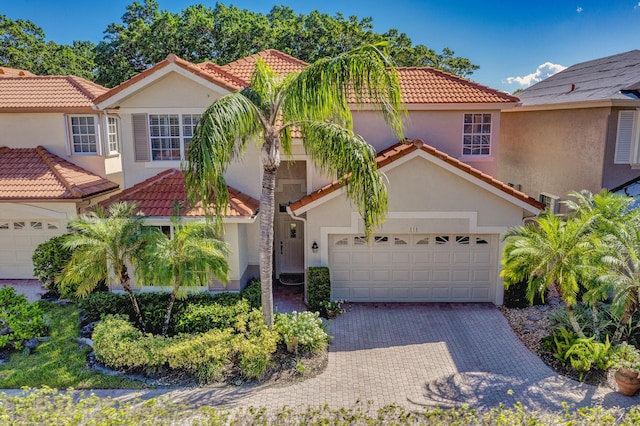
x=551, y=252
x=193, y=256
x=104, y=243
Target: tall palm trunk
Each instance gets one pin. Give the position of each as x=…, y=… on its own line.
x=270, y=164
x=125, y=282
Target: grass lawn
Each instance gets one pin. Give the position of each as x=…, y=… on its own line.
x=58, y=362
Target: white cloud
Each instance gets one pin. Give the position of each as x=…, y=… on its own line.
x=545, y=70
x=637, y=6
x=579, y=9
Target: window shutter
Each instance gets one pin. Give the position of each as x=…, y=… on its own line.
x=624, y=140
x=140, y=137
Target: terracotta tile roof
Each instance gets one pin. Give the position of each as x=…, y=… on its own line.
x=281, y=63
x=12, y=72
x=408, y=146
x=37, y=174
x=425, y=85
x=209, y=71
x=157, y=195
x=48, y=93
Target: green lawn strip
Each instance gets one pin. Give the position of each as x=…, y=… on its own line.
x=58, y=362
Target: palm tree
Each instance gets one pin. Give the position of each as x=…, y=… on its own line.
x=190, y=258
x=623, y=269
x=103, y=243
x=316, y=102
x=550, y=252
x=611, y=211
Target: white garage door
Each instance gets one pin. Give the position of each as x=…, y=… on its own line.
x=413, y=268
x=18, y=240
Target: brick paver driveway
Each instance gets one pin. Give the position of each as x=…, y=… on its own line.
x=417, y=355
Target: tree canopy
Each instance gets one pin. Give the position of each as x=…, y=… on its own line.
x=221, y=34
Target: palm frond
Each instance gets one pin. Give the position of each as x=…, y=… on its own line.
x=324, y=90
x=339, y=153
x=219, y=138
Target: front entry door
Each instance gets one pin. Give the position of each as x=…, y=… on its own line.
x=290, y=245
x=289, y=233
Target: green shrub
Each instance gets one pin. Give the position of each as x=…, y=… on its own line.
x=49, y=259
x=255, y=344
x=97, y=305
x=516, y=296
x=205, y=356
x=226, y=298
x=318, y=288
x=153, y=306
x=302, y=330
x=25, y=319
x=202, y=318
x=253, y=293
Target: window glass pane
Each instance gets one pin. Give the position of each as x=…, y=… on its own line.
x=476, y=138
x=18, y=225
x=442, y=239
x=4, y=225
x=359, y=241
x=112, y=134
x=83, y=135
x=36, y=225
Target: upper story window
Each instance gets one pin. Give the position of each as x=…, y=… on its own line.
x=476, y=134
x=93, y=134
x=112, y=135
x=84, y=134
x=170, y=134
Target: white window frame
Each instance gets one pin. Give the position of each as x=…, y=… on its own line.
x=627, y=149
x=475, y=130
x=183, y=136
x=112, y=135
x=96, y=134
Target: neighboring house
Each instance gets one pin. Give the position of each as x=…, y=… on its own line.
x=577, y=129
x=447, y=213
x=58, y=155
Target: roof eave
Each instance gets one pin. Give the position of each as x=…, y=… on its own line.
x=441, y=106
x=605, y=103
x=63, y=110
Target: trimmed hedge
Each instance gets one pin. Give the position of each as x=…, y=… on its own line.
x=202, y=318
x=153, y=306
x=253, y=293
x=205, y=356
x=318, y=288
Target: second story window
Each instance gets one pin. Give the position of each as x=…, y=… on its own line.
x=170, y=134
x=84, y=133
x=112, y=135
x=476, y=134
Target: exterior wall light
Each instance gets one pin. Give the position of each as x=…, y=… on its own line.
x=314, y=247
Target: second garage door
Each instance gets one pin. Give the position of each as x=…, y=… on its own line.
x=20, y=237
x=414, y=268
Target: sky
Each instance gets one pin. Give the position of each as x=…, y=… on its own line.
x=515, y=43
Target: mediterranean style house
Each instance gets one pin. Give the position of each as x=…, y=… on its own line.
x=447, y=211
x=578, y=129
